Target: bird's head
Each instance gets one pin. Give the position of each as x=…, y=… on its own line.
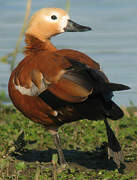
x=48, y=22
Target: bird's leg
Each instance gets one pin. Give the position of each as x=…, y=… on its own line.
x=57, y=141
x=59, y=149
x=114, y=148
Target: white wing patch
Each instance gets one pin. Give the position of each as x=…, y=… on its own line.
x=33, y=90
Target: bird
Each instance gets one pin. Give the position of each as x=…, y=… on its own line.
x=53, y=86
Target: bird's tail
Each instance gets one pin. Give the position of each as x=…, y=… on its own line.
x=111, y=109
x=116, y=87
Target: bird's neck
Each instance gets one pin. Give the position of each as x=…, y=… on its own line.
x=34, y=44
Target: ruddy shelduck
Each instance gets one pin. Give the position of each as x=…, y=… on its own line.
x=53, y=87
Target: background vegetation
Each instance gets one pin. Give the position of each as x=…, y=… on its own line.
x=27, y=151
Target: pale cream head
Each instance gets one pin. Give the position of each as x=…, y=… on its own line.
x=47, y=22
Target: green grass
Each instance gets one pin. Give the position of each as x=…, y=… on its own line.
x=27, y=151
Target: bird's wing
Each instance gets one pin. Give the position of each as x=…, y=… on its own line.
x=82, y=77
x=45, y=70
x=76, y=84
x=69, y=75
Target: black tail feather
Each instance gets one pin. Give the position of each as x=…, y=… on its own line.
x=117, y=87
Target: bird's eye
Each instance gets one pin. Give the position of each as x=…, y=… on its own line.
x=53, y=17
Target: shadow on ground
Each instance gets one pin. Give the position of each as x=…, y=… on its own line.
x=76, y=158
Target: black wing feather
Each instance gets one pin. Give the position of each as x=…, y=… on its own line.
x=89, y=78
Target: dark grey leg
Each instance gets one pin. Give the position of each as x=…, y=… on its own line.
x=59, y=149
x=114, y=148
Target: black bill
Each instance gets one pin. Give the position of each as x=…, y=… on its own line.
x=74, y=27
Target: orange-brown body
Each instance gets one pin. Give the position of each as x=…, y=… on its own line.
x=49, y=62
